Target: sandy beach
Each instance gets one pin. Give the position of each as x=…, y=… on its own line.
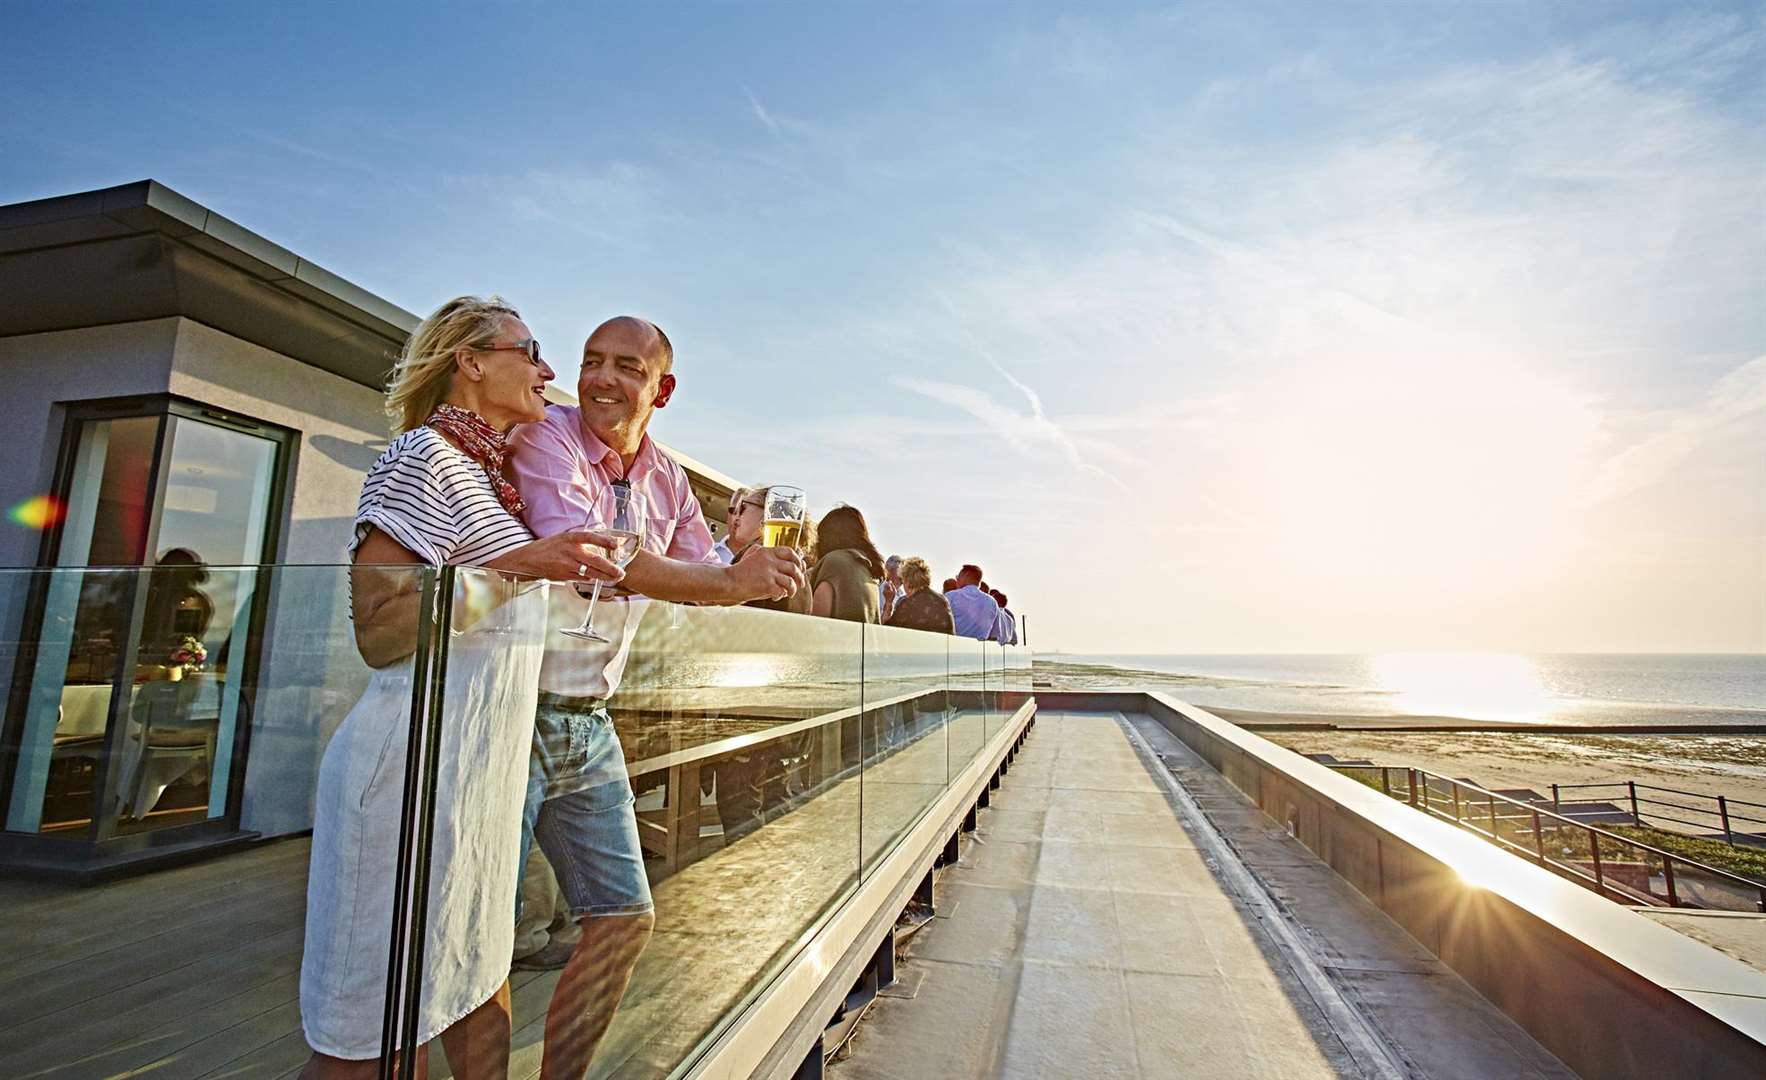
x=1728, y=765
x=1731, y=765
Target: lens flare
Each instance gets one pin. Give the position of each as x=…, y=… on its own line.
x=37, y=512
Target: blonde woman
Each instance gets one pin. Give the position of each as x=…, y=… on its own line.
x=439, y=494
x=920, y=608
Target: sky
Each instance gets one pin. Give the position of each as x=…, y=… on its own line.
x=1235, y=327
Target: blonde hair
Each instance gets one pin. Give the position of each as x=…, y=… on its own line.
x=425, y=369
x=915, y=574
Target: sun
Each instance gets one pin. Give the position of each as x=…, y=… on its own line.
x=1471, y=685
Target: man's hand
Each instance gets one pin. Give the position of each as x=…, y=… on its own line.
x=766, y=574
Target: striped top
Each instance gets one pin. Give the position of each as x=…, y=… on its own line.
x=436, y=502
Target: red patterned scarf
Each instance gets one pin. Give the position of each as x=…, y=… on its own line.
x=483, y=444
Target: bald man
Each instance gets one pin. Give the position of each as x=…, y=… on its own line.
x=579, y=803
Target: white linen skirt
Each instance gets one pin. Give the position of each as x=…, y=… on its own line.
x=486, y=736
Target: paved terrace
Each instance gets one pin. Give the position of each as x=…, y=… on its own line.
x=1120, y=917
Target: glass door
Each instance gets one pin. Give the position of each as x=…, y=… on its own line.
x=133, y=714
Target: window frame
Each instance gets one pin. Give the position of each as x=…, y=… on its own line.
x=165, y=408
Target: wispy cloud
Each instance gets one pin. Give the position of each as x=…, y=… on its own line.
x=1736, y=404
x=618, y=203
x=1025, y=430
x=761, y=114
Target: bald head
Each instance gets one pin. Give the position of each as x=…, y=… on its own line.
x=655, y=342
x=625, y=377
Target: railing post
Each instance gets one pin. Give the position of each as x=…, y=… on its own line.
x=1557, y=806
x=1723, y=812
x=1493, y=833
x=1386, y=781
x=1594, y=850
x=1668, y=879
x=1538, y=837
x=1635, y=816
x=1412, y=781
x=1455, y=784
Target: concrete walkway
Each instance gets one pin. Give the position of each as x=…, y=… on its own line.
x=1097, y=926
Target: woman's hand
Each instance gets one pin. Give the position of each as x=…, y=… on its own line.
x=580, y=555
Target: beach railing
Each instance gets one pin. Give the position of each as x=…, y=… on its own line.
x=1611, y=865
x=1713, y=813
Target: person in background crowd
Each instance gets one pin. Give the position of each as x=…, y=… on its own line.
x=727, y=546
x=848, y=566
x=950, y=585
x=974, y=613
x=438, y=494
x=920, y=608
x=579, y=799
x=1008, y=621
x=889, y=590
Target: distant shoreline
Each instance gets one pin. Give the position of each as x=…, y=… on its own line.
x=1592, y=717
x=1258, y=720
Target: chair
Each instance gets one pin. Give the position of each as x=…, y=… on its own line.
x=165, y=743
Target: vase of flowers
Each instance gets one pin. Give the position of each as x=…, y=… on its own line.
x=186, y=659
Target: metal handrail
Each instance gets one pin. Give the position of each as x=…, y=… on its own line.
x=1725, y=816
x=1671, y=791
x=1598, y=880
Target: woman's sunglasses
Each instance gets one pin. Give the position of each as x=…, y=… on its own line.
x=530, y=346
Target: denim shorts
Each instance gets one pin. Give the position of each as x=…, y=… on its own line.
x=580, y=808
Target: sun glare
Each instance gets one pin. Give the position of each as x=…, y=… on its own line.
x=750, y=670
x=1475, y=686
x=37, y=512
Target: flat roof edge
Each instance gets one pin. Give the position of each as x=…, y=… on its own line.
x=151, y=206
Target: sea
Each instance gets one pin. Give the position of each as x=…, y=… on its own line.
x=1594, y=689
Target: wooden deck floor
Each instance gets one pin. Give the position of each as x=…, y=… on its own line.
x=194, y=972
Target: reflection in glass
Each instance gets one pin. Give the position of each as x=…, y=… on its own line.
x=162, y=750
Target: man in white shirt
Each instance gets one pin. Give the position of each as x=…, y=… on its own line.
x=974, y=613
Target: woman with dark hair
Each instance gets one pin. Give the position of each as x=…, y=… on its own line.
x=848, y=567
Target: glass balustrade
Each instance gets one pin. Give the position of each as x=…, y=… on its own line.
x=165, y=734
x=189, y=760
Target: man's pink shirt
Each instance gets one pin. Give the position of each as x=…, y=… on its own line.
x=566, y=474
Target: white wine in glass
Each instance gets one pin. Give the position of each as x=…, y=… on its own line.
x=782, y=518
x=625, y=527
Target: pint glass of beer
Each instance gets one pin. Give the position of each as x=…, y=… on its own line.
x=782, y=519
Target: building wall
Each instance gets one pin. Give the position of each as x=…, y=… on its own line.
x=340, y=424
x=309, y=674
x=43, y=370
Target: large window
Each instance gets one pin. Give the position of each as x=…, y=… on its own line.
x=129, y=716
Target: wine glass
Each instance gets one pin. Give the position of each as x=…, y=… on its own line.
x=626, y=529
x=782, y=517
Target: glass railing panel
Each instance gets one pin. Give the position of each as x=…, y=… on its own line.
x=1018, y=687
x=968, y=704
x=990, y=684
x=239, y=738
x=906, y=721
x=727, y=745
